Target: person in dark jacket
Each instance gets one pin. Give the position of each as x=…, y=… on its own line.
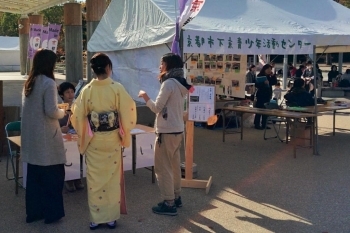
x=298, y=96
x=300, y=71
x=264, y=94
x=333, y=73
x=250, y=78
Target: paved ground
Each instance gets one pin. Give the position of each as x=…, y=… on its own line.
x=257, y=187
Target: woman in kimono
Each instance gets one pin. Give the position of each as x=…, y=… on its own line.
x=103, y=115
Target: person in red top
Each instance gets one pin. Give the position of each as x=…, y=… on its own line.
x=292, y=69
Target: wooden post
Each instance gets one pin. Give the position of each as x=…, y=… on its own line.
x=23, y=29
x=73, y=41
x=189, y=150
x=94, y=12
x=188, y=182
x=2, y=114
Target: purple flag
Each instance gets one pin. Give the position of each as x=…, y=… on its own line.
x=54, y=34
x=175, y=47
x=34, y=39
x=44, y=37
x=182, y=4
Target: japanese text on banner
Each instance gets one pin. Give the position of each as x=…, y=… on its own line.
x=225, y=43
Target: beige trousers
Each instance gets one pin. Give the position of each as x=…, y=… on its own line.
x=167, y=165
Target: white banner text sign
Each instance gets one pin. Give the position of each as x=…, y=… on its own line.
x=226, y=43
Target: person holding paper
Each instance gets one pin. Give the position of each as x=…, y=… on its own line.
x=66, y=91
x=42, y=142
x=263, y=95
x=169, y=126
x=103, y=115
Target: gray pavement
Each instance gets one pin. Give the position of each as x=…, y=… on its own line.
x=257, y=187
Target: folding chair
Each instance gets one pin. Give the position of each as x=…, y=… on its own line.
x=12, y=127
x=231, y=115
x=275, y=121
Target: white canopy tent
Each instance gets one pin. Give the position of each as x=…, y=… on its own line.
x=27, y=6
x=136, y=33
x=9, y=53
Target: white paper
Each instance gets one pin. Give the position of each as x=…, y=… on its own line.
x=137, y=131
x=201, y=103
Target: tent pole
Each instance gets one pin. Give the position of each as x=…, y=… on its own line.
x=315, y=134
x=254, y=59
x=168, y=47
x=294, y=60
x=340, y=65
x=322, y=53
x=285, y=71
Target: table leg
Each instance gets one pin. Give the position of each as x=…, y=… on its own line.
x=242, y=125
x=294, y=137
x=133, y=147
x=153, y=175
x=17, y=172
x=334, y=122
x=223, y=124
x=314, y=134
x=81, y=166
x=287, y=130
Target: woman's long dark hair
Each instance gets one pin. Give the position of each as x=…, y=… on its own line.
x=263, y=70
x=43, y=64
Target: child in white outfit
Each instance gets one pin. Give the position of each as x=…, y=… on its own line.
x=277, y=92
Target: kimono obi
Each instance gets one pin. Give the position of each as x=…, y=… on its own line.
x=106, y=121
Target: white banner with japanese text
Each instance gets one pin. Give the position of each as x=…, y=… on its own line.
x=192, y=8
x=226, y=43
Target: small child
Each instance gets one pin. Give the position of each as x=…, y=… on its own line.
x=277, y=92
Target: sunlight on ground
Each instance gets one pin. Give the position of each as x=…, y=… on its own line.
x=244, y=214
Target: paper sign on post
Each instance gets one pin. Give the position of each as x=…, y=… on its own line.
x=201, y=103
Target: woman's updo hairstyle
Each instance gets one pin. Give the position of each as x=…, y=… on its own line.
x=99, y=62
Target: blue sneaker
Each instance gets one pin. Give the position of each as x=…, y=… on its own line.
x=165, y=209
x=178, y=202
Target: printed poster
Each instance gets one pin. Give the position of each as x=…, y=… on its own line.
x=54, y=33
x=201, y=104
x=44, y=37
x=34, y=39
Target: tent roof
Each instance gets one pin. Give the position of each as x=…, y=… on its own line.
x=27, y=6
x=129, y=24
x=326, y=21
x=9, y=43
